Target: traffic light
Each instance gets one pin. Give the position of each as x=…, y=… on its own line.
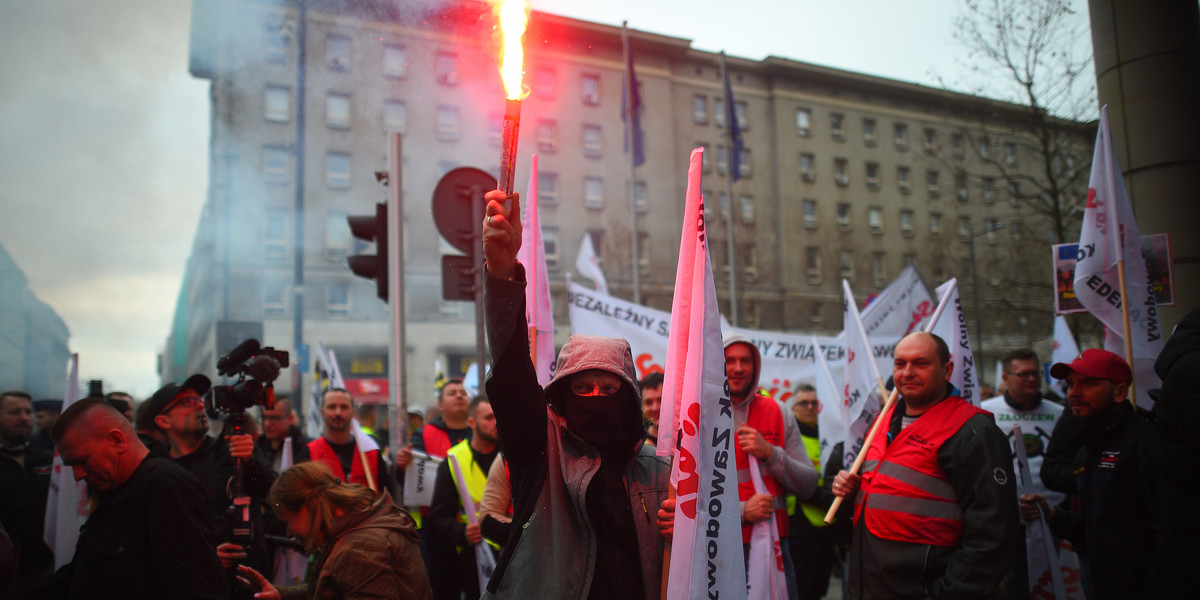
x=372, y=229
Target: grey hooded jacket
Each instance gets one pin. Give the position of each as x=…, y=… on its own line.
x=552, y=554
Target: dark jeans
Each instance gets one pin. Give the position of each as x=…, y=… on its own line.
x=812, y=558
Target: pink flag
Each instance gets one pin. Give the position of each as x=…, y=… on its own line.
x=1109, y=235
x=537, y=293
x=706, y=561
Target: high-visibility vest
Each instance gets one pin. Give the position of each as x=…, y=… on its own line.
x=812, y=512
x=905, y=495
x=765, y=416
x=320, y=450
x=476, y=479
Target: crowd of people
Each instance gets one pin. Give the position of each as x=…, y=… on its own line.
x=557, y=492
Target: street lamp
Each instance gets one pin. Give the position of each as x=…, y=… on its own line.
x=992, y=227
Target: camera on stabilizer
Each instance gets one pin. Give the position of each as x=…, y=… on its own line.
x=256, y=369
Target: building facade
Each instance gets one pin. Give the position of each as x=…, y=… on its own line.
x=33, y=338
x=842, y=176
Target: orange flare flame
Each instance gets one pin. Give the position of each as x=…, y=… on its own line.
x=512, y=23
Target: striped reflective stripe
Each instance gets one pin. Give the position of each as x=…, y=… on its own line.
x=869, y=465
x=915, y=506
x=918, y=480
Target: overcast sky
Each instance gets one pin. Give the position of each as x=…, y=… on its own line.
x=104, y=136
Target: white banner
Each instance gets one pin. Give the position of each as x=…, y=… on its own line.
x=67, y=500
x=419, y=478
x=952, y=328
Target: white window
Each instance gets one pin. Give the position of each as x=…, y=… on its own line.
x=589, y=85
x=846, y=262
x=931, y=183
x=550, y=246
x=337, y=170
x=276, y=104
x=547, y=135
x=869, y=132
x=930, y=141
x=901, y=135
x=803, y=122
x=877, y=271
x=593, y=192
x=904, y=179
x=395, y=116
x=993, y=275
x=547, y=187
x=992, y=226
x=815, y=314
x=935, y=223
x=810, y=213
x=719, y=112
x=593, y=146
x=964, y=227
x=985, y=147
x=274, y=233
x=746, y=204
x=960, y=186
x=957, y=143
x=337, y=299
x=875, y=219
x=706, y=159
x=906, y=222
x=395, y=61
x=337, y=53
x=743, y=118
x=446, y=64
x=337, y=234
x=722, y=160
x=812, y=264
x=276, y=39
x=840, y=176
x=837, y=125
x=723, y=205
x=700, y=109
x=749, y=254
x=643, y=242
x=337, y=110
x=545, y=83
x=873, y=175
x=745, y=167
x=274, y=298
x=639, y=196
x=447, y=123
x=806, y=168
x=275, y=164
x=1010, y=154
x=1014, y=193
x=843, y=216
x=988, y=185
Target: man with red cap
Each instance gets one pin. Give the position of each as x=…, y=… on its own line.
x=1117, y=475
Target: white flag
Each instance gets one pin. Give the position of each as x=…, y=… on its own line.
x=1041, y=551
x=1065, y=351
x=899, y=308
x=538, y=312
x=1110, y=235
x=485, y=560
x=952, y=328
x=831, y=422
x=67, y=500
x=862, y=397
x=589, y=266
x=707, y=559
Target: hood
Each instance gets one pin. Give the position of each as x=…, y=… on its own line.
x=730, y=338
x=1184, y=340
x=382, y=514
x=612, y=355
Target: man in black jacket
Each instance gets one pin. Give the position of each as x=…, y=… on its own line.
x=148, y=536
x=278, y=425
x=1178, y=416
x=24, y=480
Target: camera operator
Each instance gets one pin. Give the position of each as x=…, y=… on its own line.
x=179, y=412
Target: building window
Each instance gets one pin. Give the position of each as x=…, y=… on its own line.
x=276, y=39
x=875, y=219
x=988, y=185
x=931, y=183
x=700, y=109
x=837, y=126
x=1014, y=228
x=447, y=123
x=547, y=187
x=846, y=264
x=446, y=65
x=877, y=271
x=745, y=167
x=873, y=175
x=843, y=216
x=639, y=196
x=722, y=160
x=337, y=53
x=723, y=205
x=274, y=233
x=929, y=141
x=495, y=129
x=1010, y=154
x=749, y=255
x=395, y=116
x=901, y=131
x=589, y=89
x=806, y=168
x=746, y=206
x=803, y=122
x=810, y=213
x=547, y=135
x=705, y=157
x=643, y=242
x=550, y=246
x=395, y=63
x=904, y=179
x=276, y=104
x=337, y=234
x=1014, y=193
x=992, y=227
x=869, y=132
x=592, y=142
x=960, y=186
x=957, y=143
x=708, y=207
x=545, y=83
x=935, y=224
x=718, y=112
x=964, y=227
x=274, y=298
x=337, y=299
x=993, y=275
x=985, y=147
x=743, y=117
x=815, y=314
x=593, y=192
x=906, y=222
x=812, y=264
x=839, y=172
x=275, y=164
x=337, y=110
x=337, y=170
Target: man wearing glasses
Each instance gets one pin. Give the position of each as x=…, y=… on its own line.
x=279, y=426
x=812, y=538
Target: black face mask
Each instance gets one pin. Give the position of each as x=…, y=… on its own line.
x=602, y=421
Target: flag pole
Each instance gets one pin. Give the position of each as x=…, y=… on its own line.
x=635, y=264
x=366, y=468
x=730, y=261
x=666, y=564
x=891, y=401
x=1125, y=317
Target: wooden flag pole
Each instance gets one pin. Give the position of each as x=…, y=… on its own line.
x=1125, y=316
x=666, y=564
x=366, y=468
x=862, y=454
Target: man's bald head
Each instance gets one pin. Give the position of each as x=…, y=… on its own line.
x=98, y=443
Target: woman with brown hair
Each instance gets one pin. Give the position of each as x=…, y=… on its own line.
x=366, y=546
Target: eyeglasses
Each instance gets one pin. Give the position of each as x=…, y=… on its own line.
x=272, y=418
x=1025, y=374
x=185, y=401
x=807, y=403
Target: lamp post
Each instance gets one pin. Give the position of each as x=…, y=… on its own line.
x=992, y=227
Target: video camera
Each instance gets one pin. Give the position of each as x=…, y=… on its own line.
x=256, y=369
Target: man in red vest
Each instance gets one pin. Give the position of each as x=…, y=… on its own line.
x=765, y=433
x=337, y=447
x=937, y=513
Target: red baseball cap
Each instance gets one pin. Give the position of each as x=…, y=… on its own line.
x=1100, y=364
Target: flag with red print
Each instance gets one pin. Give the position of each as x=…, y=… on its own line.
x=862, y=397
x=1109, y=235
x=537, y=294
x=952, y=328
x=696, y=425
x=67, y=499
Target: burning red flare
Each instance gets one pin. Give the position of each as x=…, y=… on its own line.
x=512, y=23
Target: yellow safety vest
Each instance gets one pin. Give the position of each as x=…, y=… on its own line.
x=476, y=478
x=812, y=512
